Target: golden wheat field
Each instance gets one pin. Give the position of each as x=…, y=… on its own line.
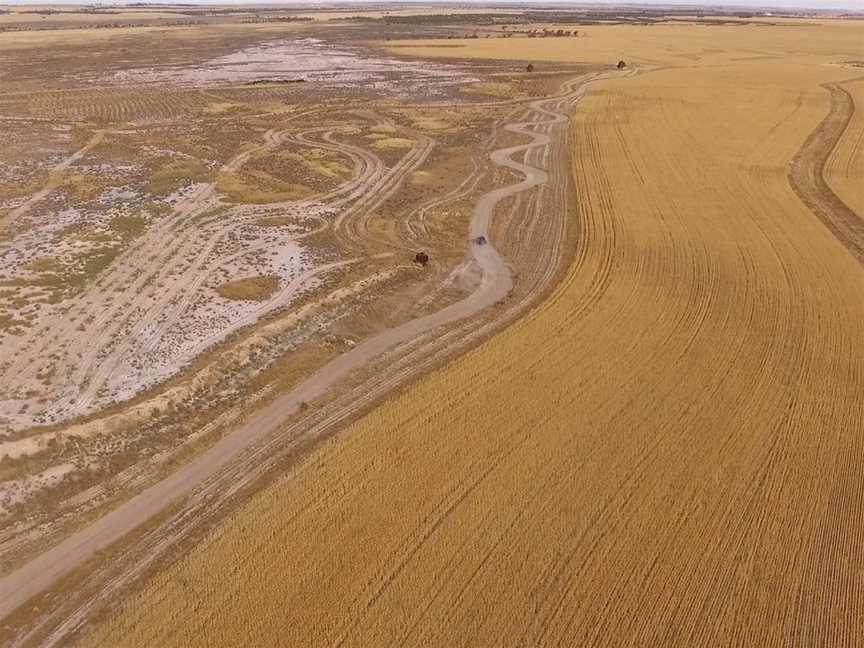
x=665, y=452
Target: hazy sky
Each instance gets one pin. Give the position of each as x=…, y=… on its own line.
x=857, y=5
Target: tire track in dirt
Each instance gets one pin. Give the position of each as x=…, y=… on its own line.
x=396, y=367
x=17, y=587
x=51, y=185
x=127, y=296
x=807, y=174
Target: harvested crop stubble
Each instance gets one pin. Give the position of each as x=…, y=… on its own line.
x=676, y=44
x=845, y=167
x=666, y=452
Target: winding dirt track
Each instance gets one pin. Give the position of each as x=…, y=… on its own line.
x=180, y=252
x=496, y=282
x=807, y=174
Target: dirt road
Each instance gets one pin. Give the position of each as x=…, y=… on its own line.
x=496, y=282
x=52, y=182
x=807, y=174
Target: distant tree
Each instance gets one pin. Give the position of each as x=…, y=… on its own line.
x=621, y=65
x=529, y=67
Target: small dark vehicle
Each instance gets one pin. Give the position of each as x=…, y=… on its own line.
x=422, y=258
x=480, y=240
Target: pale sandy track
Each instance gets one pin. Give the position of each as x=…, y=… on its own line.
x=43, y=193
x=40, y=573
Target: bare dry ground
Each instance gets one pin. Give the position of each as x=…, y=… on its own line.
x=666, y=452
x=187, y=230
x=202, y=247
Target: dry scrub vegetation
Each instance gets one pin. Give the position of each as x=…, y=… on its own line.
x=666, y=452
x=180, y=241
x=250, y=288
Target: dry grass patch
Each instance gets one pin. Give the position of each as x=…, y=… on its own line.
x=321, y=162
x=391, y=143
x=430, y=123
x=11, y=324
x=277, y=221
x=259, y=288
x=496, y=89
x=175, y=174
x=433, y=119
x=21, y=189
x=222, y=108
x=81, y=186
x=258, y=187
x=128, y=227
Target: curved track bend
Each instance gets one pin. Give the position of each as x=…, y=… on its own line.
x=496, y=282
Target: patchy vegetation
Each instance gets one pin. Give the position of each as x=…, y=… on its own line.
x=175, y=174
x=258, y=187
x=385, y=143
x=249, y=289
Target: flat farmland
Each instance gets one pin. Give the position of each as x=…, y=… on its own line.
x=666, y=451
x=679, y=43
